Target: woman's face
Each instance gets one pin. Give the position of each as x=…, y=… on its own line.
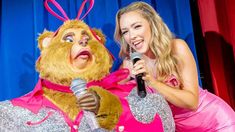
x=136, y=31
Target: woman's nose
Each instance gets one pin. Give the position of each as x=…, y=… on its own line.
x=132, y=35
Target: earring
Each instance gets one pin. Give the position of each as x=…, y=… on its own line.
x=122, y=40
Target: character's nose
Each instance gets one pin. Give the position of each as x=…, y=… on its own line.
x=83, y=43
x=84, y=40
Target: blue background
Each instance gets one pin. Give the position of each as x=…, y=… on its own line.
x=22, y=21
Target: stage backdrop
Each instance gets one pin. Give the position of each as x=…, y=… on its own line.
x=218, y=28
x=22, y=21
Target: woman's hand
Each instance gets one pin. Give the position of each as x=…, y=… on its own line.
x=140, y=67
x=89, y=101
x=150, y=80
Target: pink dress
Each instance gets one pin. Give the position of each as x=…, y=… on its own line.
x=212, y=115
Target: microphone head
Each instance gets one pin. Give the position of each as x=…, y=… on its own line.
x=135, y=55
x=78, y=85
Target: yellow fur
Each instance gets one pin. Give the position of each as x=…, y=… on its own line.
x=100, y=34
x=56, y=58
x=108, y=115
x=42, y=37
x=65, y=101
x=54, y=65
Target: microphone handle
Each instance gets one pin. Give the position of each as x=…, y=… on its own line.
x=78, y=86
x=141, y=91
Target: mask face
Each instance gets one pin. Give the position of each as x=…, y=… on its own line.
x=80, y=55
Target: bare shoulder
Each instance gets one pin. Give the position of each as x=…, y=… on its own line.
x=180, y=47
x=183, y=53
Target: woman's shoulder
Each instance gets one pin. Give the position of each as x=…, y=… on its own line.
x=180, y=47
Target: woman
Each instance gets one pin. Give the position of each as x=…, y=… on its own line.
x=169, y=68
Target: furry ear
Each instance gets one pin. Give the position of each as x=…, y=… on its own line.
x=44, y=39
x=100, y=35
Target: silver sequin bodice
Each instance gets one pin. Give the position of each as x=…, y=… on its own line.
x=145, y=109
x=14, y=119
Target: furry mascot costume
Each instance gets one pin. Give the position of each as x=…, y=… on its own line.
x=77, y=51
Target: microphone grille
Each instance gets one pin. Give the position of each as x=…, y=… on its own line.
x=78, y=85
x=135, y=55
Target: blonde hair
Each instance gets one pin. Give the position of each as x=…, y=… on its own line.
x=160, y=43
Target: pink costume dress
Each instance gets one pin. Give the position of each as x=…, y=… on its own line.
x=212, y=114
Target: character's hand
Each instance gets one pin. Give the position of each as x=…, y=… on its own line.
x=89, y=101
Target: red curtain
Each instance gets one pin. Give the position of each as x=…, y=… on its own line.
x=218, y=26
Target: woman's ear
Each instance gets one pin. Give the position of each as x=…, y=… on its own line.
x=44, y=39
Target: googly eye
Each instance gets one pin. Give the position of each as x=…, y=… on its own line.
x=68, y=39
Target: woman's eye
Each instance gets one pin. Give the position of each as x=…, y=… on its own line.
x=68, y=39
x=124, y=32
x=137, y=26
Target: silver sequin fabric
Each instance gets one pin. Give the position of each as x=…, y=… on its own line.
x=145, y=109
x=14, y=119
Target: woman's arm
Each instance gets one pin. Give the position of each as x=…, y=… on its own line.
x=186, y=96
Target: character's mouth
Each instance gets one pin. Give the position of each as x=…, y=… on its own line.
x=82, y=59
x=83, y=54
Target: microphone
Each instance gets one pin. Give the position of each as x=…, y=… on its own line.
x=78, y=86
x=141, y=91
